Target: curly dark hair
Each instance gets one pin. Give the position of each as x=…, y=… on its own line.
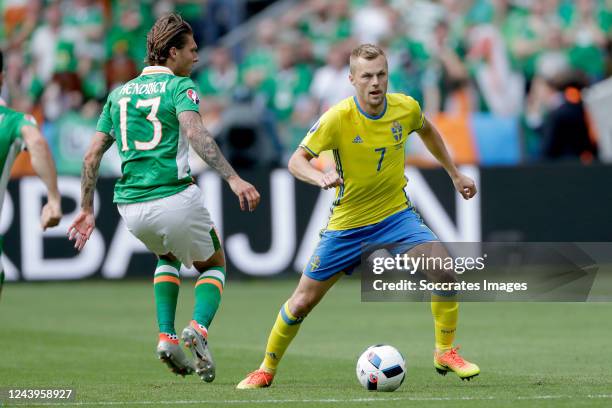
x=167, y=32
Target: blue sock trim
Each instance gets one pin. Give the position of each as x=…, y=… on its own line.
x=288, y=319
x=445, y=293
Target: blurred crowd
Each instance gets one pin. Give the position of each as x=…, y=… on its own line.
x=62, y=57
x=519, y=59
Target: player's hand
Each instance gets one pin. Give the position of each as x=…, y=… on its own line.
x=81, y=229
x=465, y=186
x=246, y=193
x=51, y=214
x=330, y=179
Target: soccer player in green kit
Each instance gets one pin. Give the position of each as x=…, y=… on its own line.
x=18, y=131
x=153, y=119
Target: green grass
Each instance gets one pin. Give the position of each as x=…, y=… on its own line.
x=99, y=338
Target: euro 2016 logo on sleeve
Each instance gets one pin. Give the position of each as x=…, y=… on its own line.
x=191, y=94
x=314, y=127
x=397, y=130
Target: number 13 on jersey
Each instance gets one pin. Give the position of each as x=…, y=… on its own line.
x=153, y=103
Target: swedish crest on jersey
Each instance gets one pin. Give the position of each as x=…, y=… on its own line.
x=397, y=130
x=193, y=95
x=315, y=262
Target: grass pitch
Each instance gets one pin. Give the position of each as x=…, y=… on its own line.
x=99, y=338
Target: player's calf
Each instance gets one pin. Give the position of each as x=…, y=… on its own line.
x=284, y=330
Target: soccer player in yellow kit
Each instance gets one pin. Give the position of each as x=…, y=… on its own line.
x=366, y=134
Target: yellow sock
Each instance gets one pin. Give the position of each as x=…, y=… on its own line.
x=445, y=310
x=284, y=330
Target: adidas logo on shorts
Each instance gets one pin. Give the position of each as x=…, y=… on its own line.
x=358, y=139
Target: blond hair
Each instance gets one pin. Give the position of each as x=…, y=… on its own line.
x=167, y=32
x=366, y=51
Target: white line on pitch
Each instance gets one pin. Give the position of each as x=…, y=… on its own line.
x=331, y=400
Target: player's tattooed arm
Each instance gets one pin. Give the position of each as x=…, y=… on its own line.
x=91, y=165
x=204, y=144
x=84, y=223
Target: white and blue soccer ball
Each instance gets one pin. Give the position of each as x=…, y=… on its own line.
x=381, y=368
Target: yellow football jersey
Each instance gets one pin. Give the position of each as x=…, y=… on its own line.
x=369, y=156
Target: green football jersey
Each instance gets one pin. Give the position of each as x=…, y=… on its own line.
x=11, y=143
x=142, y=117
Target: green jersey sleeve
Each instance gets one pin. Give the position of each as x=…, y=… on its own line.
x=22, y=120
x=16, y=121
x=185, y=96
x=11, y=142
x=105, y=123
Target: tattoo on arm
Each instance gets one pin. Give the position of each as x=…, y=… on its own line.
x=204, y=144
x=91, y=165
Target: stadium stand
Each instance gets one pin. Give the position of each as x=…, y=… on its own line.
x=486, y=71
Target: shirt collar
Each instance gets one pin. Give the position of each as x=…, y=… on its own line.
x=366, y=114
x=156, y=69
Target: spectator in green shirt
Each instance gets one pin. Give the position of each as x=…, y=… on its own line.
x=529, y=39
x=259, y=61
x=325, y=23
x=290, y=81
x=585, y=33
x=217, y=82
x=220, y=77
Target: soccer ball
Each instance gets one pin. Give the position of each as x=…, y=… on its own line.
x=381, y=368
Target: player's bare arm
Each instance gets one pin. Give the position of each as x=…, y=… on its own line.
x=300, y=167
x=83, y=225
x=43, y=165
x=91, y=166
x=434, y=143
x=205, y=146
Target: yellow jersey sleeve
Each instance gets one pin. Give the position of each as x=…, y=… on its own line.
x=324, y=134
x=416, y=118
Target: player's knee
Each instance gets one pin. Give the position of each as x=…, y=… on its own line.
x=301, y=304
x=218, y=259
x=169, y=257
x=204, y=266
x=442, y=275
x=445, y=275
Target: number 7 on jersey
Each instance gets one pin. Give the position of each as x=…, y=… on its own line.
x=382, y=151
